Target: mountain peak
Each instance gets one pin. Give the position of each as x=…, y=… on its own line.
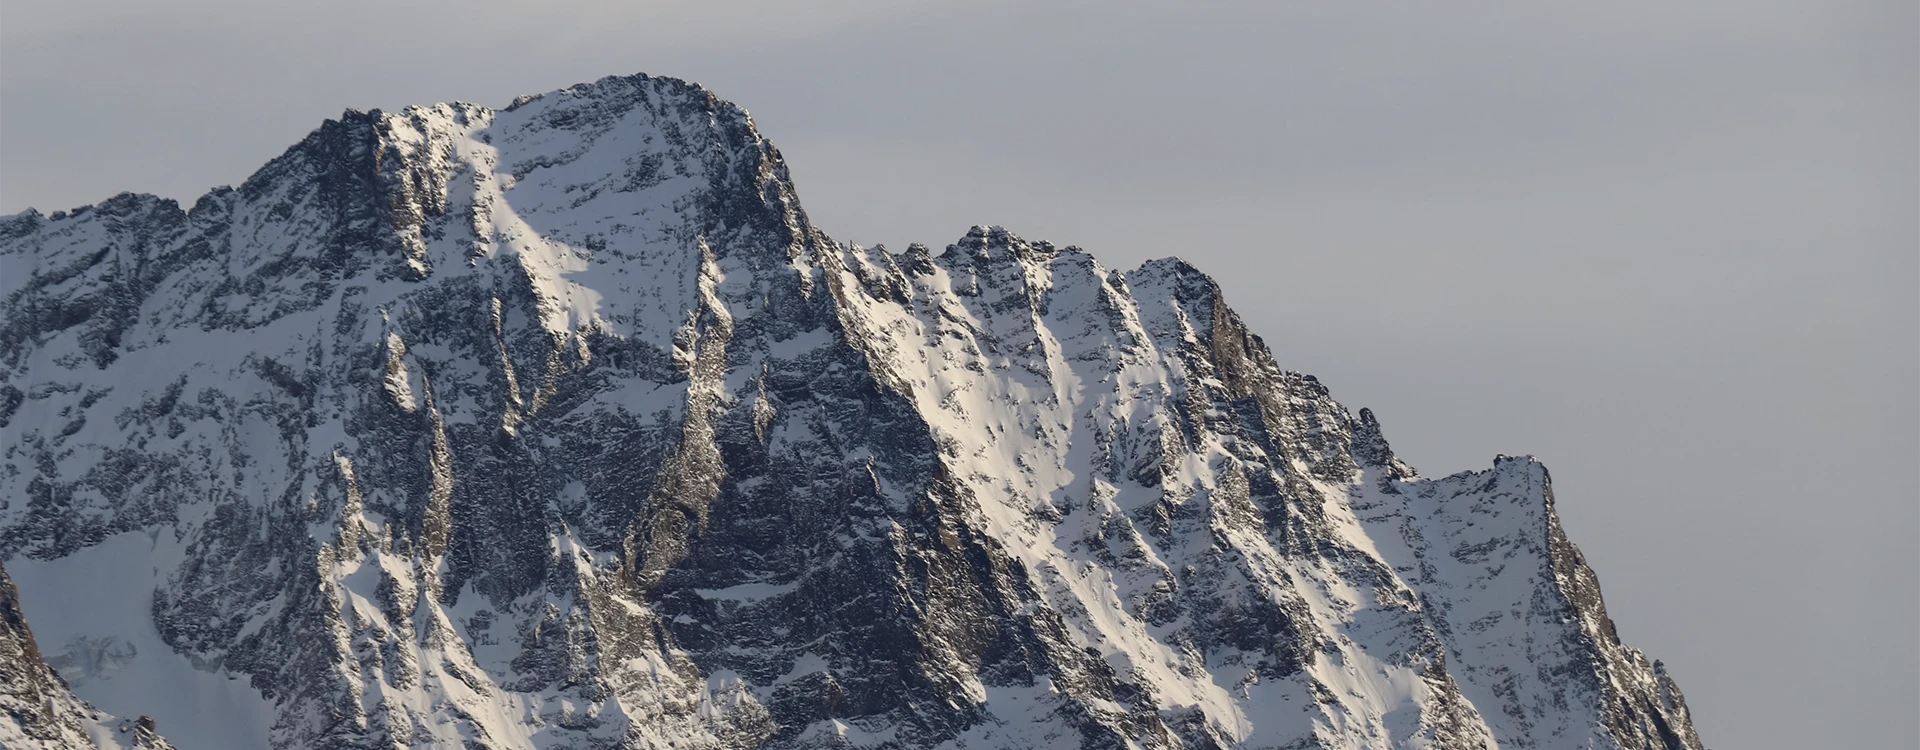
x=560, y=425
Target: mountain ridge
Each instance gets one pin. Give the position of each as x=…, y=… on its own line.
x=561, y=425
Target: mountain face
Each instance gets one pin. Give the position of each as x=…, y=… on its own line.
x=561, y=426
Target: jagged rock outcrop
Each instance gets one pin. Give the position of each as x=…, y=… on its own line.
x=561, y=426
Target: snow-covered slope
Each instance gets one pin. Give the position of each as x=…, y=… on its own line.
x=37, y=711
x=561, y=426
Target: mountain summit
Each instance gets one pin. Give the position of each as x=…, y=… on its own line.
x=560, y=426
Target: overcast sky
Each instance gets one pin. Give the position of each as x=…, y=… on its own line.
x=1669, y=248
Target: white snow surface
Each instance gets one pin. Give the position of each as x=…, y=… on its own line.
x=91, y=614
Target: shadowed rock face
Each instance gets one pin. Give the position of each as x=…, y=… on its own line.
x=560, y=426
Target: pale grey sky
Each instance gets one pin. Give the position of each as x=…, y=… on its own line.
x=1670, y=248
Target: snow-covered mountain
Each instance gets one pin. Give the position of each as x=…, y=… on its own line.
x=561, y=426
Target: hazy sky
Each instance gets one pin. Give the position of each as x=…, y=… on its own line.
x=1670, y=248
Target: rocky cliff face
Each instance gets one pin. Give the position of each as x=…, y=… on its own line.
x=561, y=426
